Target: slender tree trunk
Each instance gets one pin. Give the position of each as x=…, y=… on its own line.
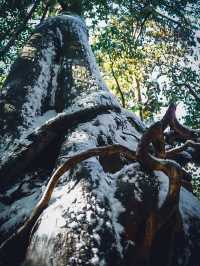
x=139, y=98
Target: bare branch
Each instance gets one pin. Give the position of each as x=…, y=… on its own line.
x=190, y=89
x=142, y=26
x=160, y=217
x=139, y=98
x=171, y=20
x=194, y=94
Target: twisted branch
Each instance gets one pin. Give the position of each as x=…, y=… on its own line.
x=177, y=176
x=184, y=132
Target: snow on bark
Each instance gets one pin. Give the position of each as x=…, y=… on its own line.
x=95, y=203
x=34, y=78
x=164, y=187
x=99, y=206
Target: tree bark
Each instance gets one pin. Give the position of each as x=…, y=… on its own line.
x=106, y=210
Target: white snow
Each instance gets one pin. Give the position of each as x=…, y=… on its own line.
x=189, y=207
x=54, y=84
x=38, y=92
x=92, y=99
x=18, y=211
x=53, y=217
x=9, y=147
x=73, y=207
x=163, y=187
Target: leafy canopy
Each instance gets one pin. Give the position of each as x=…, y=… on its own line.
x=147, y=50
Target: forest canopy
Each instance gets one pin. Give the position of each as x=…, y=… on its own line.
x=148, y=51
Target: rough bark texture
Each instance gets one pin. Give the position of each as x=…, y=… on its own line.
x=106, y=210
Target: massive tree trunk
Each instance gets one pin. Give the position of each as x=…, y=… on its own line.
x=110, y=209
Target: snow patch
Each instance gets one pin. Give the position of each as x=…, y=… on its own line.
x=37, y=92
x=163, y=187
x=54, y=84
x=189, y=207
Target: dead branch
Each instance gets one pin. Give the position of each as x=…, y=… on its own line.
x=21, y=236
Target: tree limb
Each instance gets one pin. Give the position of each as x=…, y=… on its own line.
x=183, y=131
x=159, y=217
x=189, y=143
x=190, y=89
x=23, y=155
x=171, y=20
x=142, y=26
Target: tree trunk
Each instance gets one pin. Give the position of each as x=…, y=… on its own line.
x=106, y=210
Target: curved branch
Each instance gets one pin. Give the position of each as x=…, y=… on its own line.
x=177, y=176
x=189, y=143
x=183, y=131
x=179, y=23
x=170, y=168
x=158, y=218
x=190, y=89
x=193, y=92
x=20, y=237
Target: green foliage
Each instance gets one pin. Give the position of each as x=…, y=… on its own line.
x=151, y=42
x=12, y=14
